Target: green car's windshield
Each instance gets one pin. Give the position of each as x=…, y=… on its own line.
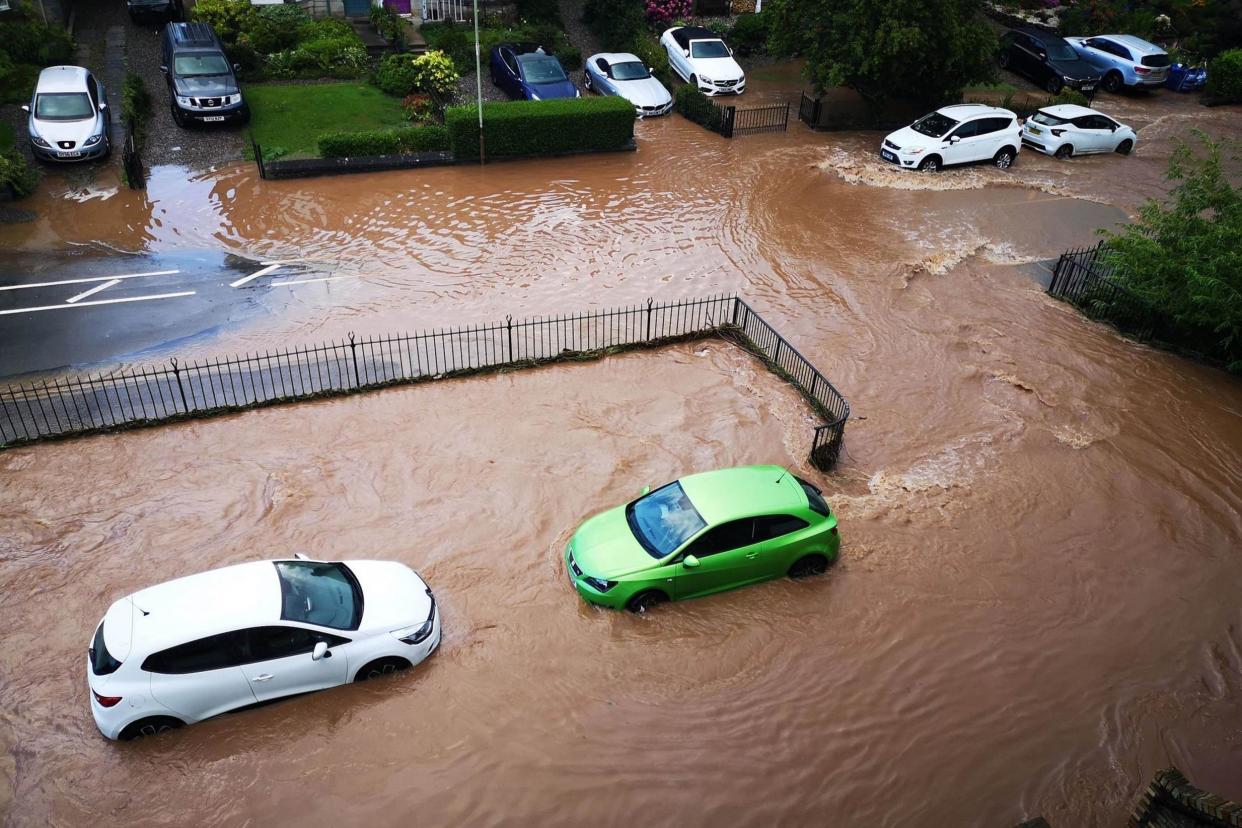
x=664, y=520
x=326, y=594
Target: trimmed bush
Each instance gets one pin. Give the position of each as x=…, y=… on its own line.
x=653, y=56
x=273, y=28
x=228, y=18
x=1224, y=81
x=28, y=40
x=432, y=72
x=539, y=11
x=16, y=174
x=1068, y=96
x=749, y=34
x=699, y=108
x=570, y=57
x=617, y=23
x=401, y=141
x=523, y=128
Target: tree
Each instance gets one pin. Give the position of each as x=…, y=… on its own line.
x=1183, y=256
x=921, y=50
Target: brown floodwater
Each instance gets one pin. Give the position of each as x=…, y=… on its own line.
x=1037, y=604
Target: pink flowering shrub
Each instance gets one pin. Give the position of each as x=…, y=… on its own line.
x=664, y=12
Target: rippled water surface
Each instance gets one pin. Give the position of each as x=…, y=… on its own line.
x=1037, y=602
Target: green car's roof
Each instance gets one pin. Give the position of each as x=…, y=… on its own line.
x=729, y=494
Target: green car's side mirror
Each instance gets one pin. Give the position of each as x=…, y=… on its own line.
x=645, y=490
x=690, y=562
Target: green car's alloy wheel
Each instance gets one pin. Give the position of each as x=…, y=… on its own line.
x=644, y=601
x=808, y=566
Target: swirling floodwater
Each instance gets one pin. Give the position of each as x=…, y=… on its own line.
x=1037, y=603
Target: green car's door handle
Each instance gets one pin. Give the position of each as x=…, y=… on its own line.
x=752, y=556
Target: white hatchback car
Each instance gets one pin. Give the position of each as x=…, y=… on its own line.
x=700, y=57
x=202, y=645
x=957, y=134
x=1069, y=129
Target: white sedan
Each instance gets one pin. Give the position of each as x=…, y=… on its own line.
x=701, y=58
x=624, y=75
x=202, y=645
x=1069, y=129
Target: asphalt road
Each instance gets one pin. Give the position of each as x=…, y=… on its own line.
x=58, y=312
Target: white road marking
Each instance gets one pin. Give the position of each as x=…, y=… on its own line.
x=271, y=266
x=89, y=279
x=98, y=302
x=308, y=281
x=94, y=290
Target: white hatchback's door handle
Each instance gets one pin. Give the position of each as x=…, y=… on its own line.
x=263, y=677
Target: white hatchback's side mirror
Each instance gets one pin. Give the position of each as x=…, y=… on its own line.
x=25, y=107
x=954, y=139
x=320, y=651
x=686, y=52
x=301, y=556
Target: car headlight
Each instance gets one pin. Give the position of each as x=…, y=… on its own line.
x=706, y=80
x=39, y=142
x=598, y=584
x=93, y=140
x=415, y=635
x=577, y=94
x=183, y=101
x=535, y=97
x=915, y=150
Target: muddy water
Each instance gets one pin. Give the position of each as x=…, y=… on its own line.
x=1037, y=605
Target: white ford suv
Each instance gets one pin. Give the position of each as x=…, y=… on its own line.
x=956, y=134
x=192, y=648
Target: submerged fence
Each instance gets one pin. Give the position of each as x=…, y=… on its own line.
x=148, y=395
x=1085, y=280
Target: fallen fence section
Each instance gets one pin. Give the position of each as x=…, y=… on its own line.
x=1085, y=281
x=150, y=395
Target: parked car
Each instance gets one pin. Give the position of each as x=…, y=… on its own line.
x=1048, y=60
x=1123, y=60
x=525, y=70
x=624, y=75
x=68, y=116
x=235, y=637
x=957, y=134
x=1183, y=78
x=702, y=534
x=155, y=11
x=1068, y=130
x=202, y=84
x=701, y=58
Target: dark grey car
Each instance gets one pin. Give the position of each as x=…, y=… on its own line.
x=202, y=84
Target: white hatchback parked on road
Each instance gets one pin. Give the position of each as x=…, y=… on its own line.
x=957, y=134
x=202, y=645
x=1069, y=129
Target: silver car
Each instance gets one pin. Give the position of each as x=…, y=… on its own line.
x=69, y=116
x=624, y=75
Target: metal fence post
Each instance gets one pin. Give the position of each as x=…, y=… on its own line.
x=509, y=329
x=737, y=306
x=258, y=157
x=649, y=301
x=353, y=357
x=177, y=373
x=777, y=359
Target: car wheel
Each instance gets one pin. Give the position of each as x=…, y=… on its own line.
x=808, y=566
x=646, y=601
x=154, y=726
x=1003, y=59
x=1054, y=85
x=930, y=164
x=586, y=81
x=1113, y=82
x=1004, y=158
x=1065, y=151
x=381, y=667
x=178, y=118
x=1125, y=147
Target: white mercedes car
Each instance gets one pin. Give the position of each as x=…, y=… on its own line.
x=624, y=75
x=701, y=58
x=189, y=649
x=1068, y=129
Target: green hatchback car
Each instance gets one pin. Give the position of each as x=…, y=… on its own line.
x=702, y=534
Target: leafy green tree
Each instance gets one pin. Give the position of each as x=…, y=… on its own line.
x=922, y=50
x=1183, y=256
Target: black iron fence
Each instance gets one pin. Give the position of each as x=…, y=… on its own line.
x=748, y=119
x=147, y=395
x=131, y=161
x=1085, y=280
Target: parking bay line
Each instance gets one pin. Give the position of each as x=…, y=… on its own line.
x=271, y=266
x=89, y=279
x=280, y=282
x=98, y=302
x=93, y=291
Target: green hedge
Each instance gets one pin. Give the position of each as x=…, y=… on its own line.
x=1224, y=81
x=696, y=106
x=521, y=128
x=401, y=141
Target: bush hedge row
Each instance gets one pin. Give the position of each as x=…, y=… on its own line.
x=696, y=106
x=1224, y=81
x=400, y=141
x=541, y=127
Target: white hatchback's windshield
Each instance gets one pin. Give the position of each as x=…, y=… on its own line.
x=326, y=594
x=64, y=106
x=664, y=520
x=709, y=49
x=188, y=66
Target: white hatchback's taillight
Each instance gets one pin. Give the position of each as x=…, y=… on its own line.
x=106, y=701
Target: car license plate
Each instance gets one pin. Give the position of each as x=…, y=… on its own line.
x=1034, y=130
x=1088, y=87
x=213, y=117
x=68, y=155
x=888, y=156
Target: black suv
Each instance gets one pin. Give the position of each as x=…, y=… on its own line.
x=154, y=11
x=1048, y=60
x=202, y=85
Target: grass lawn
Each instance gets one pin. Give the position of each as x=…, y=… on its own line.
x=287, y=119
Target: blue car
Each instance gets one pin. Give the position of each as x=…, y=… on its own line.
x=526, y=71
x=1124, y=61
